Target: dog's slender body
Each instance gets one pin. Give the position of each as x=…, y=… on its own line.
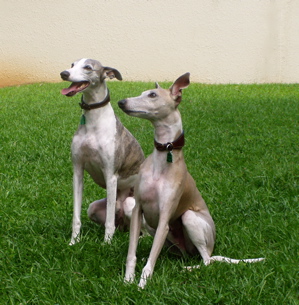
x=165, y=192
x=103, y=147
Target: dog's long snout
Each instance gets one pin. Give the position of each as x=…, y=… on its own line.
x=65, y=75
x=122, y=104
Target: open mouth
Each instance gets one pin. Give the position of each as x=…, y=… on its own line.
x=74, y=88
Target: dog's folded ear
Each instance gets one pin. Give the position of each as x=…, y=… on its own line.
x=181, y=83
x=112, y=73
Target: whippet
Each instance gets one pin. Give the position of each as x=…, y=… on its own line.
x=103, y=147
x=165, y=192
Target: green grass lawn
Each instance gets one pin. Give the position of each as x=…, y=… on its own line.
x=242, y=146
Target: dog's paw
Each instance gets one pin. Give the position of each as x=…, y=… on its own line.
x=142, y=283
x=74, y=241
x=129, y=280
x=107, y=240
x=108, y=236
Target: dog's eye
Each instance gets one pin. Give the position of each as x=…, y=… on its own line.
x=152, y=95
x=72, y=65
x=88, y=68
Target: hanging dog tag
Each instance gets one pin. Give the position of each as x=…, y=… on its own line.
x=169, y=157
x=82, y=120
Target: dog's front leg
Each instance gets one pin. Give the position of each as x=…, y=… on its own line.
x=159, y=240
x=111, y=205
x=77, y=191
x=135, y=227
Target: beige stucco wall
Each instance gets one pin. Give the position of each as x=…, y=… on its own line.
x=218, y=41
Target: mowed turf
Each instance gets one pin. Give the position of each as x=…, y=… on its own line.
x=242, y=146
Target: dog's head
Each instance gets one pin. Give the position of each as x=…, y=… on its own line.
x=86, y=74
x=156, y=103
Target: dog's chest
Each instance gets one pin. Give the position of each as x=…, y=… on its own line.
x=151, y=194
x=95, y=150
x=159, y=190
x=90, y=146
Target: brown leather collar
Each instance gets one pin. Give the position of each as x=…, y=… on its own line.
x=104, y=102
x=169, y=146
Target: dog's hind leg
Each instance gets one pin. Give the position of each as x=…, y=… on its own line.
x=201, y=233
x=97, y=211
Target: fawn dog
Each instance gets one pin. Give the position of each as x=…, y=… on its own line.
x=166, y=194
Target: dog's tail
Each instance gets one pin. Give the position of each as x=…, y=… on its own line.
x=226, y=260
x=232, y=260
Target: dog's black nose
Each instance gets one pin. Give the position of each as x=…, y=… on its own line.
x=65, y=75
x=122, y=103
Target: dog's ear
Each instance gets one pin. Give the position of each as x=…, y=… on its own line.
x=157, y=85
x=181, y=83
x=111, y=73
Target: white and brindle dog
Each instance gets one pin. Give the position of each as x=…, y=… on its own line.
x=165, y=192
x=103, y=147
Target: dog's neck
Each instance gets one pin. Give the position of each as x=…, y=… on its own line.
x=178, y=143
x=168, y=129
x=92, y=106
x=95, y=108
x=96, y=95
x=169, y=139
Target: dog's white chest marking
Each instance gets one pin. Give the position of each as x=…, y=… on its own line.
x=94, y=146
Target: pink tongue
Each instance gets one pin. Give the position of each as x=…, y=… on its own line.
x=71, y=90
